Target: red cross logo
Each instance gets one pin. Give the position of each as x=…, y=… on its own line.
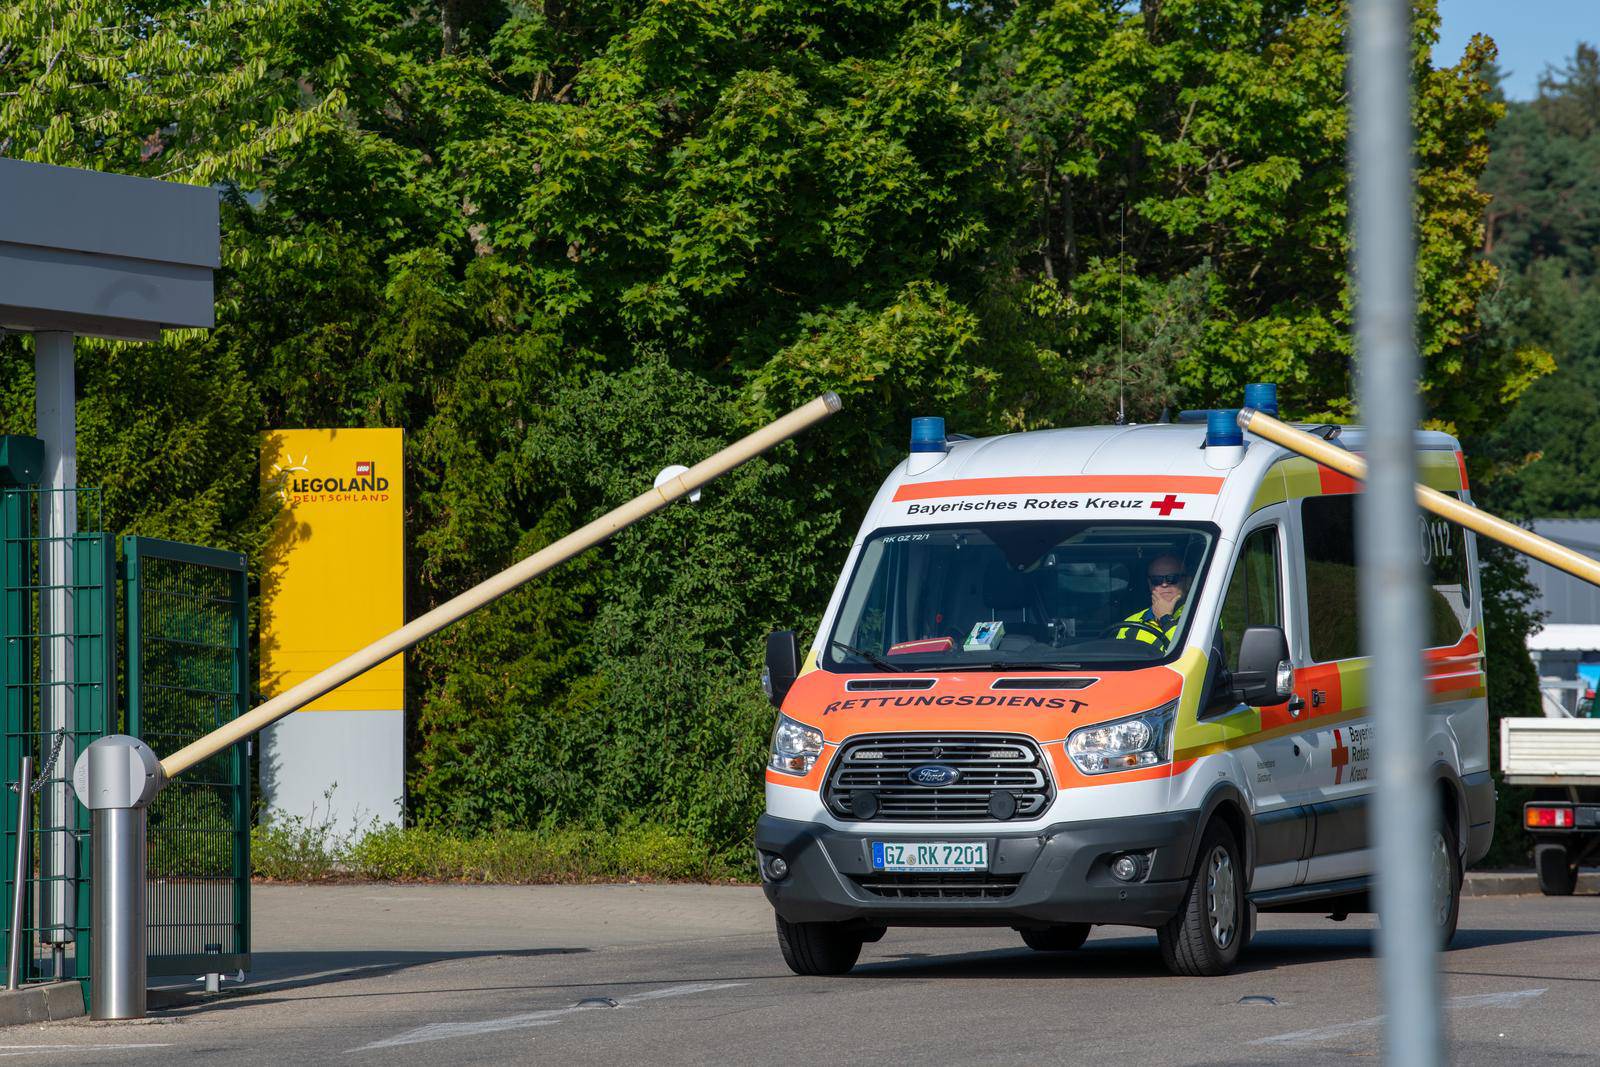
x=1341, y=757
x=1166, y=505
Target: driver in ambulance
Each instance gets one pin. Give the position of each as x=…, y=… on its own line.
x=1169, y=591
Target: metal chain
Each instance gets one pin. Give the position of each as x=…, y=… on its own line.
x=43, y=774
x=49, y=764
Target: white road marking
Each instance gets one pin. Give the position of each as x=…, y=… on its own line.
x=528, y=1020
x=29, y=1050
x=1510, y=998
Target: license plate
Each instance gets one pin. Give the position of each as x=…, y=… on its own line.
x=930, y=856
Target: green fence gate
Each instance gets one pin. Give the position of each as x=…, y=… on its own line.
x=188, y=663
x=57, y=602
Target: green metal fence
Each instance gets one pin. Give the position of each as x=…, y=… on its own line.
x=187, y=665
x=57, y=694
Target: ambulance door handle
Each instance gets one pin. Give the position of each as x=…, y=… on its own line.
x=1296, y=705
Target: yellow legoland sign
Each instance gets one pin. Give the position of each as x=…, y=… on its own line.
x=334, y=578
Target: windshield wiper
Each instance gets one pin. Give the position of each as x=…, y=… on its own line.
x=1006, y=665
x=871, y=657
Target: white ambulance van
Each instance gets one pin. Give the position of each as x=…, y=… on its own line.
x=1107, y=675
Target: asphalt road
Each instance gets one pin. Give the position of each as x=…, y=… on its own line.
x=678, y=974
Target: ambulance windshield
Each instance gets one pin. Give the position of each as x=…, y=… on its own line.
x=1018, y=595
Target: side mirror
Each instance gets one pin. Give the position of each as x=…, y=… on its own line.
x=783, y=666
x=1219, y=695
x=1265, y=676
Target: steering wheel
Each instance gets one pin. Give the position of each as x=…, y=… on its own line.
x=1149, y=627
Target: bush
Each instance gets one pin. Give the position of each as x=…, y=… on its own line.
x=302, y=850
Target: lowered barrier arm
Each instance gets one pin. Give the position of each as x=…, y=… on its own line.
x=117, y=776
x=1442, y=504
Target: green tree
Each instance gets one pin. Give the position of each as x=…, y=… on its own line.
x=565, y=244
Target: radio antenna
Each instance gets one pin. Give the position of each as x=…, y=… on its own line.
x=1122, y=247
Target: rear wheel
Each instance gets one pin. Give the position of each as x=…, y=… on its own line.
x=1558, y=876
x=1205, y=936
x=1063, y=938
x=1444, y=863
x=819, y=948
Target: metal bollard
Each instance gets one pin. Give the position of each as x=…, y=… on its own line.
x=116, y=778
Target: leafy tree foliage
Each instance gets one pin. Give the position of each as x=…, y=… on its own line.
x=563, y=244
x=1544, y=231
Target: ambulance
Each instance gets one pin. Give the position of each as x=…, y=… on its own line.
x=1108, y=676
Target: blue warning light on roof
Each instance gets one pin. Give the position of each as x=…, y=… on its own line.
x=1222, y=427
x=927, y=434
x=1263, y=396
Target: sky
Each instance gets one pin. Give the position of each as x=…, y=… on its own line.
x=1532, y=34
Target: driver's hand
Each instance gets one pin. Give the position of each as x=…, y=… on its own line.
x=1164, y=600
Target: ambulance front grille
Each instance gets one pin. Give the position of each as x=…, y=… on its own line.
x=986, y=764
x=906, y=886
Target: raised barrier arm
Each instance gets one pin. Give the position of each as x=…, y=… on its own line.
x=1441, y=504
x=498, y=586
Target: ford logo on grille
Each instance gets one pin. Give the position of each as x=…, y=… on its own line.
x=933, y=775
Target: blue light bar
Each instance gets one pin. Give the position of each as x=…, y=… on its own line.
x=1263, y=396
x=927, y=434
x=1222, y=428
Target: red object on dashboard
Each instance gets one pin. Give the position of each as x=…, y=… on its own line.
x=926, y=644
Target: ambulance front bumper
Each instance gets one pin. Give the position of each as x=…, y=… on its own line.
x=1061, y=874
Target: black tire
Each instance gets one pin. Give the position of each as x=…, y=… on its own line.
x=1063, y=938
x=819, y=948
x=1557, y=876
x=1446, y=874
x=1206, y=935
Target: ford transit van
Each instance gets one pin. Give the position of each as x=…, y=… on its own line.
x=1107, y=675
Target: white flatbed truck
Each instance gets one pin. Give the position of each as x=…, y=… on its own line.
x=1560, y=758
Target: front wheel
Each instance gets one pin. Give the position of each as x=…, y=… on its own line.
x=1062, y=938
x=1205, y=936
x=819, y=948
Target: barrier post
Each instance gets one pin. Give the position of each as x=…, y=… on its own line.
x=116, y=778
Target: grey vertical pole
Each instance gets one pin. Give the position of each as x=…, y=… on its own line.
x=118, y=967
x=116, y=778
x=19, y=888
x=1392, y=612
x=58, y=521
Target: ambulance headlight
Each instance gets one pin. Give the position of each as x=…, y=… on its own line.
x=795, y=746
x=1143, y=740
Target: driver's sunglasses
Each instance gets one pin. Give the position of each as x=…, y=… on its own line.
x=1158, y=580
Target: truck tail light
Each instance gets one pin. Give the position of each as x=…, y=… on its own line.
x=1539, y=817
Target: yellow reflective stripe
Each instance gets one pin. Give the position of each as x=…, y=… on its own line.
x=1182, y=750
x=811, y=662
x=1192, y=738
x=1141, y=634
x=1353, y=684
x=1300, y=477
x=1272, y=490
x=1297, y=477
x=1438, y=470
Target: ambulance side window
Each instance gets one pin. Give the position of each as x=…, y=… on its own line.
x=1332, y=604
x=1255, y=593
x=1329, y=531
x=1444, y=566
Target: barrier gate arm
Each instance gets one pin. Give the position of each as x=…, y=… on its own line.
x=118, y=776
x=1441, y=504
